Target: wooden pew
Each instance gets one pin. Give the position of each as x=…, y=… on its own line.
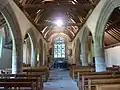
x=111, y=69
x=108, y=87
x=85, y=78
x=38, y=70
x=29, y=78
x=18, y=83
x=36, y=76
x=10, y=85
x=85, y=75
x=74, y=70
x=82, y=74
x=92, y=83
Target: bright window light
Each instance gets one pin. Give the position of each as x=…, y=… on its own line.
x=59, y=23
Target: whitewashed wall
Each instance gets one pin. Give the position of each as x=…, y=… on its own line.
x=112, y=56
x=6, y=59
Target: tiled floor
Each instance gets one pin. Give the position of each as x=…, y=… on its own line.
x=60, y=80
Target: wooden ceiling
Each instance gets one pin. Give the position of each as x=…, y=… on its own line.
x=44, y=12
x=74, y=13
x=112, y=30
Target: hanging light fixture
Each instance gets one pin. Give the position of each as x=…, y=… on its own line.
x=59, y=22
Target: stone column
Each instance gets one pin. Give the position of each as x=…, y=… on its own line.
x=99, y=58
x=28, y=51
x=33, y=52
x=38, y=62
x=41, y=58
x=24, y=53
x=17, y=58
x=17, y=49
x=32, y=57
x=15, y=31
x=77, y=56
x=83, y=55
x=36, y=57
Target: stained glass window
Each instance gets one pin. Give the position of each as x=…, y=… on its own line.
x=59, y=48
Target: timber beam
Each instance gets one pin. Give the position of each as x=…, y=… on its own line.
x=56, y=6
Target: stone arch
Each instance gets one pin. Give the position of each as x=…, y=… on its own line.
x=15, y=32
x=52, y=37
x=103, y=19
x=33, y=42
x=102, y=12
x=99, y=34
x=85, y=34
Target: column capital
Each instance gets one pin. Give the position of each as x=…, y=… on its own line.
x=99, y=51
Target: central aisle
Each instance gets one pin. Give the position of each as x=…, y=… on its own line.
x=60, y=80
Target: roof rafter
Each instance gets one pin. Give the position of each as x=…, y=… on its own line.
x=64, y=31
x=112, y=35
x=113, y=24
x=67, y=24
x=54, y=6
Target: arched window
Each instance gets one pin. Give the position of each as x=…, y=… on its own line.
x=59, y=47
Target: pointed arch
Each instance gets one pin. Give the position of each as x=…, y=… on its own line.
x=15, y=32
x=33, y=43
x=101, y=15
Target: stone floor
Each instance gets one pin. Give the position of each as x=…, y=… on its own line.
x=60, y=80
